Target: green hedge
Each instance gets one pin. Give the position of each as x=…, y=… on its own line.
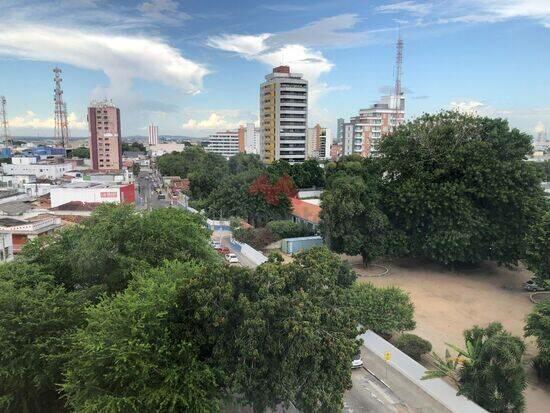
x=412, y=345
x=289, y=229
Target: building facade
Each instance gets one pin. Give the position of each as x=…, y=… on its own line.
x=318, y=142
x=29, y=166
x=372, y=124
x=252, y=139
x=283, y=116
x=92, y=192
x=226, y=143
x=153, y=135
x=105, y=136
x=339, y=130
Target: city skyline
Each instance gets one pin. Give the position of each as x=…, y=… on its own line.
x=194, y=68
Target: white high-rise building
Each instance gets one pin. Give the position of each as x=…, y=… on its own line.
x=153, y=135
x=252, y=139
x=226, y=143
x=283, y=116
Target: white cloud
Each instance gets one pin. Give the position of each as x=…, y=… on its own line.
x=247, y=45
x=215, y=121
x=412, y=7
x=31, y=121
x=471, y=106
x=165, y=11
x=122, y=58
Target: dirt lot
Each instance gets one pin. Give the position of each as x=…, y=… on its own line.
x=448, y=302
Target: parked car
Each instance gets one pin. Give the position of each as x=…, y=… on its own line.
x=216, y=244
x=532, y=285
x=231, y=258
x=357, y=361
x=223, y=250
x=161, y=196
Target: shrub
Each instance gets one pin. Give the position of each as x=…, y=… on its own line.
x=257, y=238
x=542, y=368
x=289, y=229
x=412, y=345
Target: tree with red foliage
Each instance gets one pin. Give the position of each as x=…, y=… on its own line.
x=273, y=193
x=271, y=199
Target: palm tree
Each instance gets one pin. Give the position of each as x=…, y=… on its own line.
x=489, y=370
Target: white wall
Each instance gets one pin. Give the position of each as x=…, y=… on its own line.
x=49, y=171
x=60, y=196
x=6, y=248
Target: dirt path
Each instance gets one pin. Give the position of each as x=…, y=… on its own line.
x=448, y=302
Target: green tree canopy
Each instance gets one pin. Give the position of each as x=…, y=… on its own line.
x=352, y=216
x=105, y=249
x=458, y=186
x=133, y=147
x=132, y=355
x=36, y=318
x=244, y=162
x=81, y=152
x=538, y=247
x=538, y=326
x=384, y=310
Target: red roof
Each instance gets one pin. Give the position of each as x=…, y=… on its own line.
x=306, y=211
x=77, y=206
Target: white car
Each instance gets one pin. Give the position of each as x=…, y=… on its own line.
x=231, y=258
x=216, y=244
x=357, y=361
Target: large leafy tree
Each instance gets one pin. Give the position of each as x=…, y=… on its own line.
x=133, y=356
x=385, y=310
x=352, y=216
x=538, y=326
x=116, y=240
x=187, y=336
x=538, y=247
x=36, y=319
x=243, y=162
x=489, y=370
x=458, y=186
x=291, y=316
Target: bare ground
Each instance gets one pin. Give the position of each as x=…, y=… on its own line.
x=448, y=302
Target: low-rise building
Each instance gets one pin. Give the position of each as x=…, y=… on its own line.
x=40, y=169
x=164, y=148
x=306, y=211
x=21, y=231
x=93, y=192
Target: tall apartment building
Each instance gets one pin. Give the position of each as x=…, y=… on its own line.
x=318, y=143
x=283, y=116
x=105, y=136
x=226, y=143
x=252, y=139
x=153, y=135
x=372, y=124
x=339, y=130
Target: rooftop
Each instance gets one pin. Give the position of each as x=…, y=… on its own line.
x=306, y=211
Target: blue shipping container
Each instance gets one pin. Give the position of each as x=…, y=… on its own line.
x=293, y=245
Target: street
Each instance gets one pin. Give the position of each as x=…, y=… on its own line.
x=146, y=196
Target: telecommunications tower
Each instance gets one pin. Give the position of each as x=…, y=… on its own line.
x=6, y=138
x=398, y=72
x=61, y=133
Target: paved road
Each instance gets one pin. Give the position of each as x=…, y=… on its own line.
x=146, y=196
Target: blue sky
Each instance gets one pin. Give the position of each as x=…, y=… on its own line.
x=194, y=67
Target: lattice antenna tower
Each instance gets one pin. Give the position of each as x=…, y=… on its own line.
x=398, y=72
x=61, y=132
x=6, y=138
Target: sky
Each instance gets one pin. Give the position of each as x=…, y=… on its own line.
x=194, y=66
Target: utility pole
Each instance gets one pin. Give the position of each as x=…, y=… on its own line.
x=6, y=138
x=61, y=132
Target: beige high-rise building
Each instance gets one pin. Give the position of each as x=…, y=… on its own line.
x=283, y=116
x=105, y=136
x=318, y=144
